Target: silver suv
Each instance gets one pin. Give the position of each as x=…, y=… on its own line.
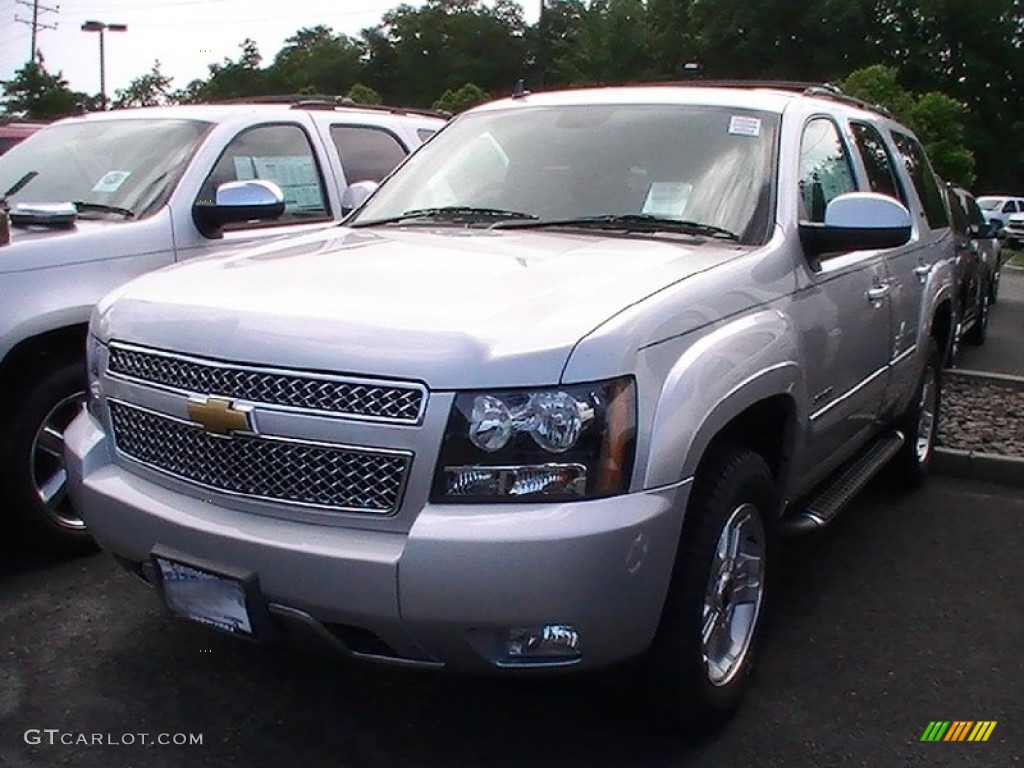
x=98, y=199
x=547, y=399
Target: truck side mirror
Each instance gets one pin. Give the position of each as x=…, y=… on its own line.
x=857, y=221
x=249, y=200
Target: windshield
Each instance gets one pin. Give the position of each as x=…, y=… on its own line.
x=690, y=163
x=989, y=203
x=124, y=164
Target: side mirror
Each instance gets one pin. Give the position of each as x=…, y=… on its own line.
x=249, y=200
x=355, y=194
x=858, y=221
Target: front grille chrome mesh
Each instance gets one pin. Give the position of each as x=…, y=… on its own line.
x=381, y=401
x=333, y=477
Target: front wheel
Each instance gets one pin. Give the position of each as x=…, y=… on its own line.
x=34, y=478
x=699, y=665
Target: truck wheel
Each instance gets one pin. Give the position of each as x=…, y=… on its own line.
x=920, y=424
x=699, y=665
x=979, y=331
x=34, y=479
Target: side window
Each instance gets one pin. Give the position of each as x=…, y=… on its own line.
x=956, y=207
x=877, y=161
x=1009, y=207
x=824, y=168
x=367, y=154
x=278, y=153
x=425, y=133
x=925, y=183
x=974, y=214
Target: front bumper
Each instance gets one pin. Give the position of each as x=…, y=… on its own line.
x=443, y=593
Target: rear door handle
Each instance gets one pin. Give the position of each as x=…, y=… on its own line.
x=877, y=293
x=922, y=271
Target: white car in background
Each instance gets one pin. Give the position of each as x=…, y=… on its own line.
x=999, y=208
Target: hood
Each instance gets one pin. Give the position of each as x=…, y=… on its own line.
x=86, y=240
x=454, y=308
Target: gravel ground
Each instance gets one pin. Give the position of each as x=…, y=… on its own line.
x=981, y=416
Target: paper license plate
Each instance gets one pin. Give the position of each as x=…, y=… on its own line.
x=206, y=597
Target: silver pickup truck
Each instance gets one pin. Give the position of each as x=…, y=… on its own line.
x=98, y=199
x=547, y=399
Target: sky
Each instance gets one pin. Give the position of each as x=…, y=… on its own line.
x=185, y=35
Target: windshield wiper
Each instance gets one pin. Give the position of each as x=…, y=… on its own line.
x=454, y=213
x=20, y=184
x=83, y=205
x=627, y=222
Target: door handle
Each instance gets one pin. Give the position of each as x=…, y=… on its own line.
x=877, y=293
x=922, y=271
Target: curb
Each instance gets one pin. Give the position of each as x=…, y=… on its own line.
x=1003, y=379
x=973, y=465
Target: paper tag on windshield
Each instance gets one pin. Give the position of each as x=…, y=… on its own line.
x=744, y=126
x=667, y=198
x=111, y=181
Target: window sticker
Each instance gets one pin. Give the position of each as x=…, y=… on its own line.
x=667, y=198
x=744, y=126
x=111, y=181
x=296, y=176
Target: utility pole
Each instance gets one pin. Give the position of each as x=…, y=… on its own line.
x=34, y=22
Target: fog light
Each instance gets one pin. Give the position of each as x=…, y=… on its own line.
x=539, y=480
x=548, y=641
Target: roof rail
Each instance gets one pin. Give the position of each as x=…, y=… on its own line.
x=321, y=101
x=819, y=90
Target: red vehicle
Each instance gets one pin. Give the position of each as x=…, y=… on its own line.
x=13, y=131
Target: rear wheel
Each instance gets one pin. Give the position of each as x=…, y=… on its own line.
x=700, y=663
x=979, y=331
x=34, y=476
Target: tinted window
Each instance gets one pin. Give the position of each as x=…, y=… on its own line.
x=924, y=179
x=877, y=161
x=1009, y=207
x=974, y=214
x=425, y=133
x=824, y=169
x=278, y=153
x=956, y=207
x=367, y=154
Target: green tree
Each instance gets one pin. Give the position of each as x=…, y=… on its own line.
x=414, y=54
x=459, y=99
x=236, y=79
x=315, y=60
x=148, y=90
x=363, y=94
x=938, y=119
x=37, y=94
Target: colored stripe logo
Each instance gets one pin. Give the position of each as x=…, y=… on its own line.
x=958, y=730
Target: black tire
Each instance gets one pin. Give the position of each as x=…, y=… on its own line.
x=993, y=286
x=979, y=331
x=30, y=461
x=732, y=482
x=909, y=467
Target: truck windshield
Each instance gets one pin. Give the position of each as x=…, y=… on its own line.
x=106, y=165
x=702, y=164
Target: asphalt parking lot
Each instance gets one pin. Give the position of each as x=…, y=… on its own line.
x=907, y=610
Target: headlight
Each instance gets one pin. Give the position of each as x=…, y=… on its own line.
x=533, y=445
x=93, y=348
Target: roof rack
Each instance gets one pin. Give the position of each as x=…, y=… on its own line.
x=327, y=102
x=819, y=90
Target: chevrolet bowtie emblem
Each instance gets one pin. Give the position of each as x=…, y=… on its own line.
x=219, y=415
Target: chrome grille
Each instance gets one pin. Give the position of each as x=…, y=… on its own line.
x=348, y=397
x=310, y=474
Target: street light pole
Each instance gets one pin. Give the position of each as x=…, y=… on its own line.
x=101, y=27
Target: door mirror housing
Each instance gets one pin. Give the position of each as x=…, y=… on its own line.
x=249, y=200
x=857, y=221
x=355, y=194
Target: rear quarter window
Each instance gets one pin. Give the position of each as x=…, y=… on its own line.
x=927, y=185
